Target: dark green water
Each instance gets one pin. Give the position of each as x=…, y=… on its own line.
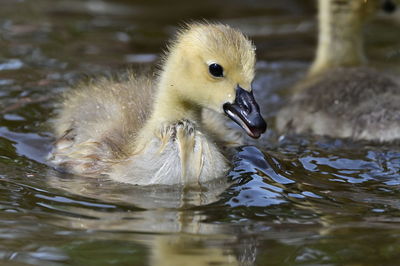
x=292, y=200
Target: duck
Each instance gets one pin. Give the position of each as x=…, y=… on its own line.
x=152, y=129
x=341, y=96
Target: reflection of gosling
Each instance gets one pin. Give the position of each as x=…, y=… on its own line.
x=339, y=98
x=124, y=130
x=182, y=250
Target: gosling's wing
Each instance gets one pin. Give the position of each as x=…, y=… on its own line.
x=104, y=105
x=99, y=122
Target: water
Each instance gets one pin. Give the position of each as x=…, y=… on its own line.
x=288, y=200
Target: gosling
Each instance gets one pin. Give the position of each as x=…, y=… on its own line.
x=341, y=97
x=147, y=131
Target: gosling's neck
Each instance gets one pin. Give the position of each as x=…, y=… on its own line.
x=170, y=105
x=340, y=38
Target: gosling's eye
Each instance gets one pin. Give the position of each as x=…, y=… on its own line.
x=216, y=70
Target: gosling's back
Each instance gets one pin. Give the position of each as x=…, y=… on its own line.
x=107, y=114
x=358, y=103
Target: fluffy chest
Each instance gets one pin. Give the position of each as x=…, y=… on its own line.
x=177, y=154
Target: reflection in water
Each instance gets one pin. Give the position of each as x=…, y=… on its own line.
x=166, y=212
x=145, y=197
x=181, y=250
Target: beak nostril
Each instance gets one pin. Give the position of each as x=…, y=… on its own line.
x=245, y=106
x=244, y=99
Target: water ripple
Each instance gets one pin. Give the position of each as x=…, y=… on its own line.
x=11, y=64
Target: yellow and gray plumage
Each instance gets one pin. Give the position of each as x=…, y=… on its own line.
x=163, y=130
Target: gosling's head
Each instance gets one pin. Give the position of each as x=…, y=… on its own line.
x=212, y=66
x=358, y=10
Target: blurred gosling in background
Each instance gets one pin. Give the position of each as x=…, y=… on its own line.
x=341, y=97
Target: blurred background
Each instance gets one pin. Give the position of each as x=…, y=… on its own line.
x=305, y=200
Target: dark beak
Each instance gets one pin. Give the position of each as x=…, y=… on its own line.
x=246, y=112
